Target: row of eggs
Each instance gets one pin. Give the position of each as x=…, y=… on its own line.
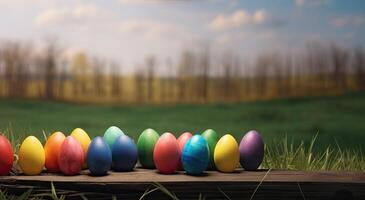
x=192, y=153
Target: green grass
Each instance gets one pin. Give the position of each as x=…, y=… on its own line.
x=279, y=155
x=318, y=133
x=333, y=118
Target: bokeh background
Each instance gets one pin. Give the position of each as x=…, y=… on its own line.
x=294, y=68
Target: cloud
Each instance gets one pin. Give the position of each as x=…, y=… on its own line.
x=150, y=29
x=145, y=2
x=259, y=16
x=71, y=15
x=23, y=2
x=237, y=19
x=352, y=21
x=310, y=2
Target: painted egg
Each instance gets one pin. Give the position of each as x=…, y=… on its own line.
x=181, y=141
x=226, y=154
x=251, y=150
x=166, y=155
x=7, y=156
x=82, y=137
x=51, y=149
x=195, y=156
x=212, y=138
x=124, y=153
x=70, y=157
x=99, y=157
x=146, y=145
x=31, y=156
x=111, y=134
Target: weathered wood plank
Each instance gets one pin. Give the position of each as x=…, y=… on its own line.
x=278, y=184
x=143, y=176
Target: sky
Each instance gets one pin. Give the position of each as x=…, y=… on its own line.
x=127, y=31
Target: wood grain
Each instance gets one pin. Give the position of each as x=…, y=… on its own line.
x=278, y=184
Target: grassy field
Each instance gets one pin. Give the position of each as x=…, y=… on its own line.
x=317, y=133
x=338, y=119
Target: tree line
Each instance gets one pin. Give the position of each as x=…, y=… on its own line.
x=198, y=75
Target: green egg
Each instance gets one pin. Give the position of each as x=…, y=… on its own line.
x=111, y=134
x=146, y=144
x=212, y=138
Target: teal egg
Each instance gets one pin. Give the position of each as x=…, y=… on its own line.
x=111, y=134
x=195, y=155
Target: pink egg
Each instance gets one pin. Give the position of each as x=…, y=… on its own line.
x=181, y=141
x=70, y=157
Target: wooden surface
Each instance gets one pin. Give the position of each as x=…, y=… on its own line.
x=277, y=184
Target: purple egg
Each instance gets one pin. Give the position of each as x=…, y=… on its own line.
x=251, y=150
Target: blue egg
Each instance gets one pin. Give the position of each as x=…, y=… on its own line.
x=99, y=157
x=125, y=154
x=195, y=155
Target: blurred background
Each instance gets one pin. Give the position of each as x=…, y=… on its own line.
x=294, y=68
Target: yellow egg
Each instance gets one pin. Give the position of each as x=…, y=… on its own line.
x=83, y=138
x=226, y=154
x=31, y=156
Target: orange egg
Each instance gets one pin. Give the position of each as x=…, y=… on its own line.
x=52, y=149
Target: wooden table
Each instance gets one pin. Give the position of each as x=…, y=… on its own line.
x=273, y=184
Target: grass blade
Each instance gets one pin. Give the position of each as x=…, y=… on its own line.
x=262, y=180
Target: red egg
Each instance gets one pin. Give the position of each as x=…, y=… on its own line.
x=70, y=157
x=6, y=156
x=166, y=154
x=181, y=141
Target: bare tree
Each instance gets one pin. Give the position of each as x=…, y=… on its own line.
x=49, y=65
x=359, y=65
x=138, y=82
x=185, y=71
x=227, y=73
x=150, y=65
x=80, y=68
x=263, y=62
x=116, y=81
x=62, y=77
x=16, y=59
x=205, y=66
x=340, y=61
x=98, y=77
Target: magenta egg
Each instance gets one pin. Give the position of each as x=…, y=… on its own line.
x=70, y=157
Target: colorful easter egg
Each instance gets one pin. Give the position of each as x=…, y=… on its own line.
x=251, y=150
x=212, y=138
x=111, y=134
x=195, y=156
x=82, y=137
x=226, y=154
x=124, y=153
x=52, y=149
x=166, y=155
x=181, y=141
x=31, y=156
x=70, y=157
x=99, y=157
x=146, y=145
x=6, y=156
